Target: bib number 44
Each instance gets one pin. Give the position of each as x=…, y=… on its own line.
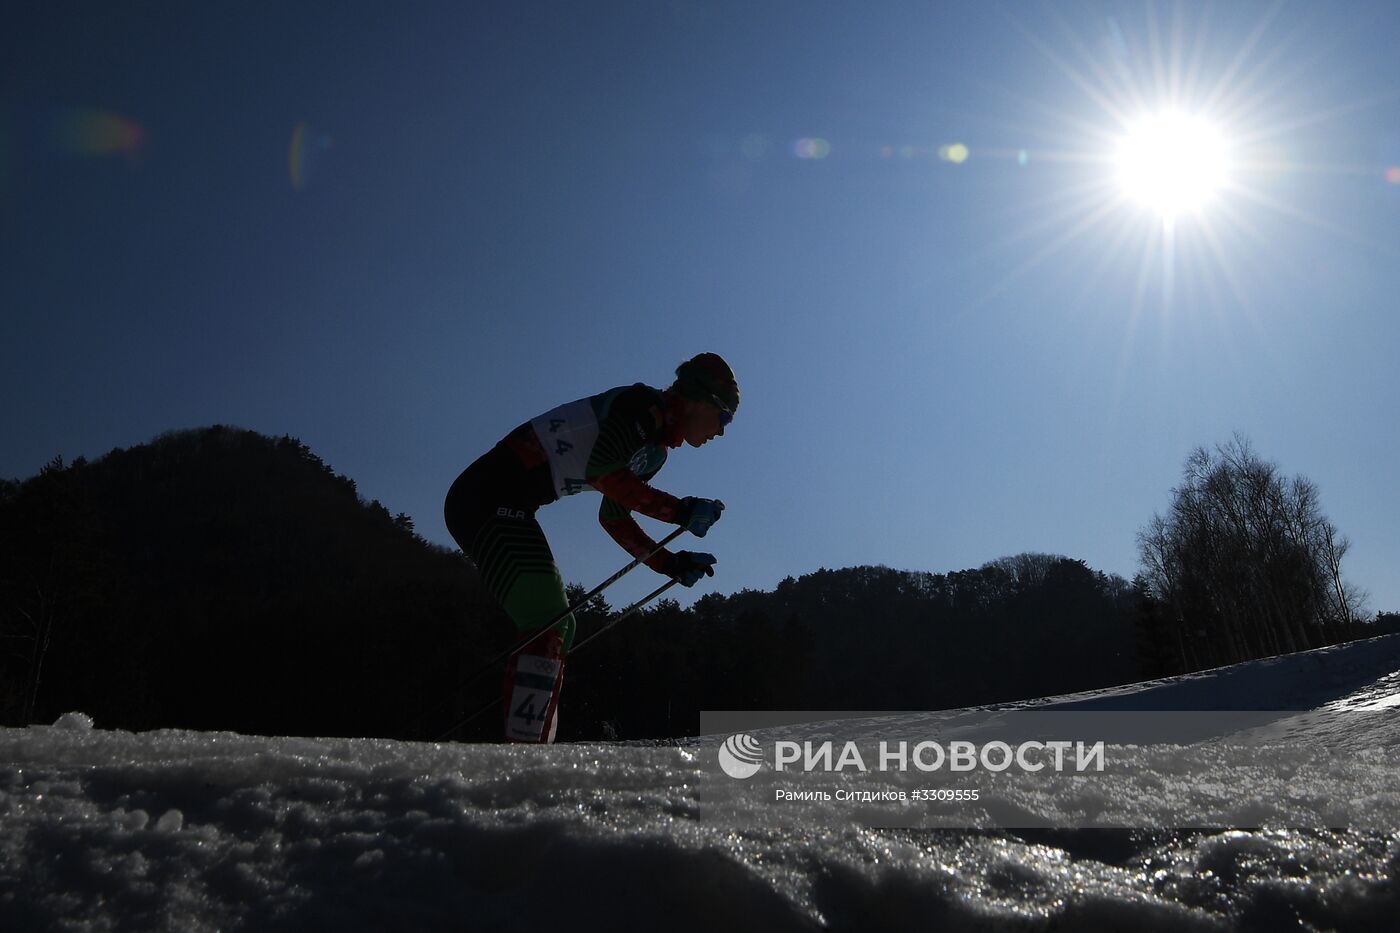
x=532, y=698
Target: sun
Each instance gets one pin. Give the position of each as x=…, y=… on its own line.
x=1174, y=147
x=1172, y=163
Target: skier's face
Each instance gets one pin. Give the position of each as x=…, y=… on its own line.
x=704, y=421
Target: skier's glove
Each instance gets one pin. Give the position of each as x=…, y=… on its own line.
x=689, y=568
x=697, y=515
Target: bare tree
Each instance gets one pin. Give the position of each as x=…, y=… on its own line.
x=1026, y=570
x=1245, y=562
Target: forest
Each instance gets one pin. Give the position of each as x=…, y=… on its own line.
x=220, y=579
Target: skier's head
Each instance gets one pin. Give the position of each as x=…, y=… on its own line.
x=708, y=396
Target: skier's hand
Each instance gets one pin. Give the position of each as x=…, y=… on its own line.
x=689, y=567
x=697, y=515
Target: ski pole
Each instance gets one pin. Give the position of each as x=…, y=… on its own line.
x=630, y=610
x=579, y=604
x=624, y=614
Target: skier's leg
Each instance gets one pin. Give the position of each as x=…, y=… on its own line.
x=522, y=572
x=534, y=677
x=517, y=567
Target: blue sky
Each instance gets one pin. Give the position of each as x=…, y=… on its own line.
x=499, y=207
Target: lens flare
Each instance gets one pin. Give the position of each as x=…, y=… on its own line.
x=1392, y=174
x=811, y=148
x=304, y=153
x=956, y=153
x=96, y=133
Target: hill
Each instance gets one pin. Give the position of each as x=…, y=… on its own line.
x=219, y=578
x=222, y=579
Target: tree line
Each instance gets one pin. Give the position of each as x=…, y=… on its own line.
x=1244, y=564
x=221, y=579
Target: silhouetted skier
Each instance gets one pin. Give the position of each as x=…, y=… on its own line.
x=612, y=442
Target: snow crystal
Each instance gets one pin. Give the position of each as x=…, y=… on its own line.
x=74, y=722
x=172, y=822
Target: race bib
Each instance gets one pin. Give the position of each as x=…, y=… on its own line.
x=567, y=434
x=533, y=695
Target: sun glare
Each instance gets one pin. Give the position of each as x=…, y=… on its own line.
x=1172, y=142
x=1172, y=163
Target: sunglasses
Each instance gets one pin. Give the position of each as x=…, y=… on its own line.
x=725, y=415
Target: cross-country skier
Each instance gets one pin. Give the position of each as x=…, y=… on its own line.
x=612, y=442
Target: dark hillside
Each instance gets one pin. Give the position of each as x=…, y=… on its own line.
x=222, y=579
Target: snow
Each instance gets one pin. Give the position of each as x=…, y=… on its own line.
x=179, y=830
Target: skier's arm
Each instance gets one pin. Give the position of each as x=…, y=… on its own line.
x=613, y=469
x=636, y=495
x=618, y=522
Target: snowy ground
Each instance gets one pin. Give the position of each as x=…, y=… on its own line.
x=202, y=831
